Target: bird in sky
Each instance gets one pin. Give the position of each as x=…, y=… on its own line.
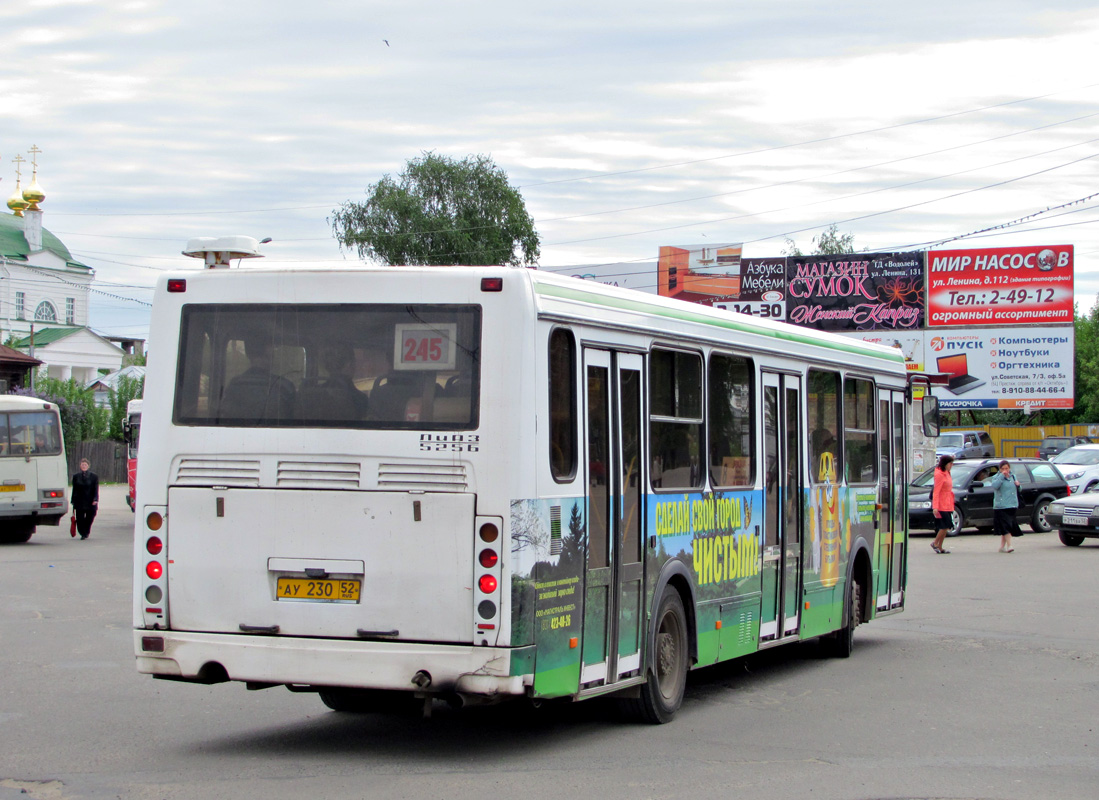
x=386, y=42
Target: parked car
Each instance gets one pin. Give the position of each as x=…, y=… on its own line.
x=1080, y=466
x=1040, y=483
x=965, y=444
x=1076, y=518
x=1052, y=445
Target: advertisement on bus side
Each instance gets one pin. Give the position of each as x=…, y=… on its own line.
x=549, y=551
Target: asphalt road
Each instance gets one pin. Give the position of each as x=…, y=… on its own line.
x=986, y=687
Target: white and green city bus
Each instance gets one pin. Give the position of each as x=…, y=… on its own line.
x=33, y=470
x=474, y=483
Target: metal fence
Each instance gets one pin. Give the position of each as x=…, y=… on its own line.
x=108, y=459
x=1015, y=441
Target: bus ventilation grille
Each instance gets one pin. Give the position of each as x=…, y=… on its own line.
x=319, y=474
x=217, y=472
x=426, y=477
x=745, y=630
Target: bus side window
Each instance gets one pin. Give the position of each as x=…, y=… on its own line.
x=824, y=422
x=858, y=430
x=675, y=423
x=562, y=405
x=732, y=460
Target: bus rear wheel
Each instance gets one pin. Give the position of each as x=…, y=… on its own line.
x=842, y=642
x=17, y=533
x=662, y=692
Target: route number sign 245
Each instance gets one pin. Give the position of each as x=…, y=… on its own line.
x=420, y=346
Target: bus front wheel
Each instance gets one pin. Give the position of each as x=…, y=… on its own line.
x=662, y=692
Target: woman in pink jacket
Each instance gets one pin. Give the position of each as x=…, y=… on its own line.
x=942, y=501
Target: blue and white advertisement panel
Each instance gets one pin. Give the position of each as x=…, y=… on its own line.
x=1010, y=367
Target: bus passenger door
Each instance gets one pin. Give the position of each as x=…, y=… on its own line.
x=892, y=497
x=613, y=578
x=783, y=515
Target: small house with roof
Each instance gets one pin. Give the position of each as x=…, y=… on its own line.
x=103, y=385
x=14, y=367
x=44, y=287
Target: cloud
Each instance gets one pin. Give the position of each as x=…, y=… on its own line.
x=211, y=114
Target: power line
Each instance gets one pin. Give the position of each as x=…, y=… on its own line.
x=806, y=142
x=86, y=288
x=601, y=175
x=457, y=255
x=821, y=177
x=850, y=219
x=1020, y=220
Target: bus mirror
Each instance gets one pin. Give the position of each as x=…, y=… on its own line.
x=930, y=415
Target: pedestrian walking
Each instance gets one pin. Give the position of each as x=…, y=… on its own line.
x=942, y=502
x=1005, y=505
x=85, y=498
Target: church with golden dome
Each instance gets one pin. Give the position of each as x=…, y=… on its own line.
x=44, y=290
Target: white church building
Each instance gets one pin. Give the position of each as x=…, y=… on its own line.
x=44, y=291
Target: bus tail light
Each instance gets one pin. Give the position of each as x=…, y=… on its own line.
x=489, y=611
x=153, y=572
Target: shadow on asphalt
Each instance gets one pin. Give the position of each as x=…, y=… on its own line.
x=510, y=728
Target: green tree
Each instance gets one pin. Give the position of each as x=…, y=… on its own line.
x=829, y=243
x=440, y=211
x=1087, y=366
x=128, y=389
x=81, y=420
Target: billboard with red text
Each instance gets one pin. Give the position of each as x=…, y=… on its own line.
x=1000, y=286
x=856, y=292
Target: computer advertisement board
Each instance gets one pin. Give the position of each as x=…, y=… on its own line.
x=1005, y=367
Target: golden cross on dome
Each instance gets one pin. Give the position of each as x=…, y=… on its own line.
x=18, y=161
x=34, y=151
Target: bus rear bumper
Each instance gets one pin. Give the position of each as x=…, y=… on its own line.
x=332, y=662
x=32, y=510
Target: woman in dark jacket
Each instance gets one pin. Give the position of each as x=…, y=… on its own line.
x=85, y=498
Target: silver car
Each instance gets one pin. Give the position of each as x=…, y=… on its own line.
x=1076, y=518
x=1080, y=466
x=965, y=444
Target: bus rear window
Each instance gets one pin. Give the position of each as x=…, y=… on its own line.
x=329, y=366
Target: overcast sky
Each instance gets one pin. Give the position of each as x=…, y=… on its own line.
x=626, y=125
